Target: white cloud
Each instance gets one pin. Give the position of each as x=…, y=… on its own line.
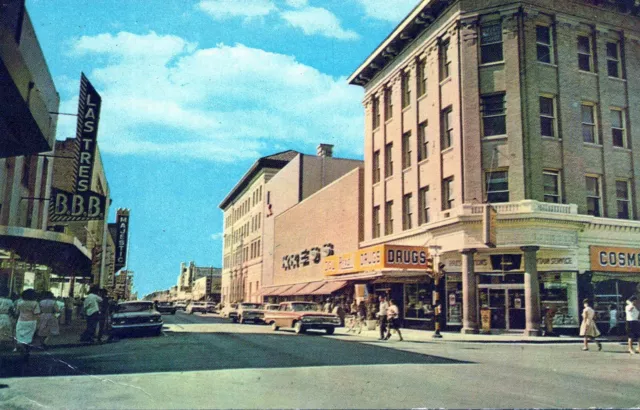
x=316, y=20
x=227, y=9
x=296, y=3
x=222, y=103
x=392, y=11
x=217, y=236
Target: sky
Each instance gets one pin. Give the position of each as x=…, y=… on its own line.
x=193, y=92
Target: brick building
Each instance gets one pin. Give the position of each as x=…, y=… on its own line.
x=529, y=106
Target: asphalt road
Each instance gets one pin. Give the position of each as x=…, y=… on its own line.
x=205, y=362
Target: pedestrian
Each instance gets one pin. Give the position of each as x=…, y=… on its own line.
x=393, y=320
x=48, y=325
x=353, y=309
x=588, y=328
x=68, y=310
x=6, y=322
x=327, y=306
x=613, y=319
x=28, y=310
x=338, y=310
x=633, y=324
x=105, y=311
x=382, y=316
x=91, y=308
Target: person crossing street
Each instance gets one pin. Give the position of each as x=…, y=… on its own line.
x=382, y=316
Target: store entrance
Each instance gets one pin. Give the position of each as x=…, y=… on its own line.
x=507, y=306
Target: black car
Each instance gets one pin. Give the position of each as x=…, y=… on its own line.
x=133, y=317
x=166, y=307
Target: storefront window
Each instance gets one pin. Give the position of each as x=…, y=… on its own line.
x=559, y=293
x=612, y=289
x=501, y=279
x=453, y=298
x=418, y=301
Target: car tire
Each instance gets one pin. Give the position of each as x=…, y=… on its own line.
x=274, y=327
x=330, y=330
x=298, y=328
x=234, y=320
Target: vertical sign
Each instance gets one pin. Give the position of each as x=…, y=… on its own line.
x=87, y=132
x=489, y=217
x=122, y=238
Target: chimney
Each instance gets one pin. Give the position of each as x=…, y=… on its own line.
x=325, y=150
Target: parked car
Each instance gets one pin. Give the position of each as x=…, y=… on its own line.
x=181, y=304
x=166, y=307
x=301, y=316
x=212, y=307
x=250, y=312
x=227, y=309
x=270, y=306
x=138, y=316
x=194, y=307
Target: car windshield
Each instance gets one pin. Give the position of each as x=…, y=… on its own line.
x=135, y=307
x=251, y=306
x=304, y=307
x=165, y=304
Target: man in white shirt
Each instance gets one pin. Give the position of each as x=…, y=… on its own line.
x=382, y=315
x=91, y=307
x=633, y=323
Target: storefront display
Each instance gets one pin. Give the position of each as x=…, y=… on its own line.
x=453, y=291
x=418, y=302
x=559, y=293
x=612, y=290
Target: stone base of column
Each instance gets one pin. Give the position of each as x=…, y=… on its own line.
x=469, y=331
x=532, y=332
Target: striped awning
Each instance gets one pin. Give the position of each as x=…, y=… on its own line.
x=329, y=287
x=293, y=289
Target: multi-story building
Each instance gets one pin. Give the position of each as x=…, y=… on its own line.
x=28, y=106
x=526, y=105
x=190, y=273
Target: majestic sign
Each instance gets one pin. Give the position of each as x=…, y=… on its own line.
x=610, y=259
x=122, y=238
x=84, y=206
x=378, y=257
x=306, y=257
x=89, y=104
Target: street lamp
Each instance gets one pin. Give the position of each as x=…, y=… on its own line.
x=437, y=274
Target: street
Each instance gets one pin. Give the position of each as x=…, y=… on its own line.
x=205, y=361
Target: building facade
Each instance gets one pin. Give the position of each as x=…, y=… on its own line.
x=528, y=106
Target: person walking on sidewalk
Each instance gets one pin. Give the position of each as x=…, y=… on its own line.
x=588, y=328
x=393, y=319
x=104, y=313
x=91, y=307
x=613, y=320
x=68, y=309
x=633, y=323
x=28, y=309
x=49, y=325
x=6, y=323
x=382, y=315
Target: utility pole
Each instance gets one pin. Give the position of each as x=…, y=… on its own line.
x=437, y=274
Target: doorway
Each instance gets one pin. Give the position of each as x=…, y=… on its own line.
x=507, y=305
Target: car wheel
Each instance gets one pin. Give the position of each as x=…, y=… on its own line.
x=274, y=327
x=234, y=320
x=330, y=330
x=298, y=328
x=158, y=332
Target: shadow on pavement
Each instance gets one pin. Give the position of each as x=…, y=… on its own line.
x=179, y=352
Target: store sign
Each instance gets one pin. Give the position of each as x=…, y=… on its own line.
x=306, y=257
x=609, y=259
x=122, y=238
x=89, y=104
x=82, y=206
x=547, y=260
x=489, y=222
x=378, y=257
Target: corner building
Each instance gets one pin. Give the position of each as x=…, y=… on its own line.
x=530, y=106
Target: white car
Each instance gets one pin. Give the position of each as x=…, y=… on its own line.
x=225, y=312
x=196, y=307
x=250, y=312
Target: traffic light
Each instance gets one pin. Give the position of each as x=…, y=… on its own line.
x=430, y=264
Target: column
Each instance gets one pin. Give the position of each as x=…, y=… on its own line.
x=469, y=290
x=531, y=291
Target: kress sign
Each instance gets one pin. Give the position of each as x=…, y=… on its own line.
x=306, y=257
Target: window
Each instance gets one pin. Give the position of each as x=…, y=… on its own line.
x=491, y=43
x=617, y=128
x=376, y=166
x=376, y=112
x=589, y=124
x=388, y=218
x=547, y=117
x=376, y=222
x=493, y=115
x=585, y=57
x=388, y=104
x=406, y=89
x=551, y=183
x=497, y=186
x=446, y=121
x=594, y=200
x=622, y=199
x=425, y=207
x=423, y=142
x=421, y=71
x=544, y=44
x=388, y=160
x=407, y=214
x=406, y=150
x=445, y=62
x=613, y=59
x=447, y=193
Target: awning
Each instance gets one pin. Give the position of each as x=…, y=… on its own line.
x=329, y=287
x=64, y=254
x=624, y=276
x=275, y=291
x=309, y=288
x=293, y=289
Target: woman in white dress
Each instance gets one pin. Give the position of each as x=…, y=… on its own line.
x=6, y=323
x=28, y=309
x=588, y=328
x=49, y=312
